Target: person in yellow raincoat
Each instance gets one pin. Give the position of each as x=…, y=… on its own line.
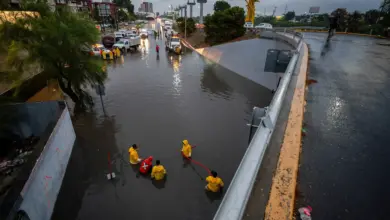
x=158, y=171
x=186, y=150
x=133, y=153
x=214, y=183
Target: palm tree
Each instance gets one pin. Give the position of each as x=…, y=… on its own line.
x=57, y=41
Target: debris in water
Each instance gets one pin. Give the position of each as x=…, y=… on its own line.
x=305, y=213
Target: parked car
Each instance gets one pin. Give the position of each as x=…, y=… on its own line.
x=264, y=26
x=97, y=49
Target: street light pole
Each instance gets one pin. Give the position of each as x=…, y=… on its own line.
x=185, y=22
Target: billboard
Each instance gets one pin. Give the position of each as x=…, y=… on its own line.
x=314, y=10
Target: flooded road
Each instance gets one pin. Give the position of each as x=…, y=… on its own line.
x=156, y=101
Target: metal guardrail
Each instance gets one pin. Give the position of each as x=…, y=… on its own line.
x=235, y=200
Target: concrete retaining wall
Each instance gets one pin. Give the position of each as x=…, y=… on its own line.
x=246, y=58
x=40, y=192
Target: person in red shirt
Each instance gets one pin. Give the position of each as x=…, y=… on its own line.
x=157, y=48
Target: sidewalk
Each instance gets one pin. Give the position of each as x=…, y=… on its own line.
x=344, y=159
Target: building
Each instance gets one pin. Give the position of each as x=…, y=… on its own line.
x=146, y=7
x=76, y=5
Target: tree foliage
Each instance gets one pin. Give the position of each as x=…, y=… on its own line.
x=289, y=15
x=57, y=41
x=354, y=20
x=122, y=15
x=221, y=5
x=190, y=26
x=125, y=4
x=226, y=25
x=372, y=16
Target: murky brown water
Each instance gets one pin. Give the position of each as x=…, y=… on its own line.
x=156, y=102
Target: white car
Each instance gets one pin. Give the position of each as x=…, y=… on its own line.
x=144, y=33
x=264, y=26
x=151, y=32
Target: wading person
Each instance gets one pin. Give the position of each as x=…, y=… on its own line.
x=133, y=153
x=214, y=183
x=186, y=149
x=158, y=171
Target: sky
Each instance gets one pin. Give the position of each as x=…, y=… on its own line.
x=299, y=6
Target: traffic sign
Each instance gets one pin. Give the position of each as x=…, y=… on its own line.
x=248, y=25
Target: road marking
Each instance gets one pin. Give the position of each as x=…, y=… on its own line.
x=281, y=200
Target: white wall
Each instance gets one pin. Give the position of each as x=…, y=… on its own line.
x=41, y=189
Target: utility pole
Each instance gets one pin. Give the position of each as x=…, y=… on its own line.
x=191, y=4
x=185, y=22
x=273, y=13
x=201, y=2
x=285, y=9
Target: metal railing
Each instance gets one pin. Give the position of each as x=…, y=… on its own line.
x=235, y=200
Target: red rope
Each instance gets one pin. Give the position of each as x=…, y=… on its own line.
x=197, y=162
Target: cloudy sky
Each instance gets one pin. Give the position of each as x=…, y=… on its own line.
x=299, y=6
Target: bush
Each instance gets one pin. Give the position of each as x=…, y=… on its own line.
x=225, y=25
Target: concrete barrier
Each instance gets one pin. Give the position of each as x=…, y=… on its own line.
x=39, y=193
x=234, y=202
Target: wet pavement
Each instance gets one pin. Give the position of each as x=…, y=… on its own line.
x=157, y=101
x=344, y=159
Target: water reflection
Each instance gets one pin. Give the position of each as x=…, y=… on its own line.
x=157, y=106
x=175, y=61
x=87, y=169
x=211, y=83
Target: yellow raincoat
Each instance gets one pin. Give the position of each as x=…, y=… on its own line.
x=134, y=158
x=158, y=172
x=214, y=184
x=187, y=149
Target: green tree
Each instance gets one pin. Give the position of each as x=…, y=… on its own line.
x=122, y=15
x=372, y=16
x=57, y=41
x=125, y=4
x=221, y=5
x=354, y=21
x=289, y=15
x=226, y=25
x=385, y=6
x=190, y=26
x=343, y=17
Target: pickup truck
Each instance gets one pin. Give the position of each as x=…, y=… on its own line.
x=132, y=41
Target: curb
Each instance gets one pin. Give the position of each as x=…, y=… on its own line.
x=342, y=33
x=282, y=195
x=384, y=44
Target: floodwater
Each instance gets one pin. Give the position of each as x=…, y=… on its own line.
x=156, y=101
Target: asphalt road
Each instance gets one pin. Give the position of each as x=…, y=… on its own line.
x=157, y=101
x=345, y=154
